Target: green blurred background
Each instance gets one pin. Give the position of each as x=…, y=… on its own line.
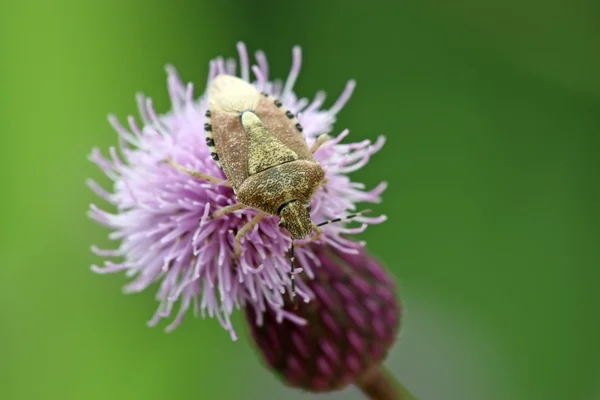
x=492, y=114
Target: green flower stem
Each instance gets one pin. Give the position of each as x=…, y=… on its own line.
x=379, y=384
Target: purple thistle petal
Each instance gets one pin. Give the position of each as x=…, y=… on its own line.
x=263, y=65
x=244, y=64
x=344, y=97
x=294, y=72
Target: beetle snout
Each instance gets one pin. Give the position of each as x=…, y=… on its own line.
x=295, y=218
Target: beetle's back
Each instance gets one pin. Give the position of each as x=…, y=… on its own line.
x=230, y=96
x=271, y=188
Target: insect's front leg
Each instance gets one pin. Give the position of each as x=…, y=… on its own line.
x=318, y=143
x=228, y=210
x=245, y=229
x=196, y=174
x=312, y=238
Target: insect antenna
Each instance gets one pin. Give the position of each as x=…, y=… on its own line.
x=292, y=259
x=346, y=218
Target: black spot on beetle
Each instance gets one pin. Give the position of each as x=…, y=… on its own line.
x=264, y=94
x=207, y=114
x=289, y=114
x=214, y=156
x=210, y=142
x=277, y=103
x=299, y=127
x=208, y=127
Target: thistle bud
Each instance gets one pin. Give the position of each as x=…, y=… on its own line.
x=352, y=320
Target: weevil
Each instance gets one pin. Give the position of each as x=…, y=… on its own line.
x=260, y=147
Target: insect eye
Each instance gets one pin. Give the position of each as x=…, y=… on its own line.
x=309, y=208
x=280, y=223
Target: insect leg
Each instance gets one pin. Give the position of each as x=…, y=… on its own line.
x=312, y=238
x=346, y=218
x=245, y=229
x=197, y=174
x=320, y=140
x=228, y=209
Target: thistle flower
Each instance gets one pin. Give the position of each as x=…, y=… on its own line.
x=352, y=322
x=161, y=216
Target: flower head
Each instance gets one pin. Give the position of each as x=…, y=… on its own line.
x=352, y=322
x=162, y=217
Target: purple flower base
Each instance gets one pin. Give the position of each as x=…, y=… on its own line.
x=351, y=323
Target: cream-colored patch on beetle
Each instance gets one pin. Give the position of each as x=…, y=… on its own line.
x=264, y=149
x=231, y=94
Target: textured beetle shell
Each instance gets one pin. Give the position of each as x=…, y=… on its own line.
x=273, y=187
x=266, y=190
x=265, y=150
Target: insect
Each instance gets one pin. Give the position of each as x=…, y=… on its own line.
x=260, y=147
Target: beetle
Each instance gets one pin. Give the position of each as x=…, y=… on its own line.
x=260, y=147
